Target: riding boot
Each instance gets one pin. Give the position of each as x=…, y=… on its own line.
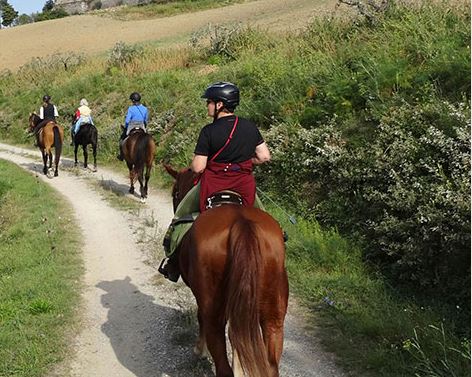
x=170, y=268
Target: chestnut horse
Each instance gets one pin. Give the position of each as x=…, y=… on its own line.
x=233, y=260
x=50, y=136
x=138, y=151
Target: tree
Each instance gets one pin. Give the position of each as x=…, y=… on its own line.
x=48, y=6
x=24, y=19
x=8, y=13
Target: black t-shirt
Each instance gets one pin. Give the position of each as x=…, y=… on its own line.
x=242, y=146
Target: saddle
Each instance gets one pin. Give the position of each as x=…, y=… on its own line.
x=224, y=197
x=136, y=130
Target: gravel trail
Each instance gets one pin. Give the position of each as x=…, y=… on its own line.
x=134, y=322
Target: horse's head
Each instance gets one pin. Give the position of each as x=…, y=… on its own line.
x=33, y=120
x=184, y=181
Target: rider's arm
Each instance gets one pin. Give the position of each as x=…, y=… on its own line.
x=199, y=163
x=146, y=116
x=128, y=117
x=262, y=154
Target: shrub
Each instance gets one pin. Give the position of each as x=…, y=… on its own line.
x=407, y=192
x=122, y=54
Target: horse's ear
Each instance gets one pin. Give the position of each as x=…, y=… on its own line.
x=171, y=171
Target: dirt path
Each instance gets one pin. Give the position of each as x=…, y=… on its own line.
x=91, y=34
x=135, y=323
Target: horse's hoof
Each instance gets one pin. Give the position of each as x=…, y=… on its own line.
x=131, y=190
x=75, y=163
x=143, y=200
x=56, y=174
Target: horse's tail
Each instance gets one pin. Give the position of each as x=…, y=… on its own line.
x=142, y=146
x=57, y=144
x=242, y=298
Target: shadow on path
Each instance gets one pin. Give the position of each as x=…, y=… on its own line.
x=149, y=339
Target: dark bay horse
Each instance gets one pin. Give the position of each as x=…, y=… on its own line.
x=138, y=151
x=233, y=260
x=87, y=134
x=50, y=136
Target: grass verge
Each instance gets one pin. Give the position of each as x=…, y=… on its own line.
x=40, y=270
x=371, y=328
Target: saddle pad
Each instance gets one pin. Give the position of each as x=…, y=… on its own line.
x=180, y=227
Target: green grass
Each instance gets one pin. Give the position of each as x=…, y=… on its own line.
x=40, y=271
x=372, y=330
x=164, y=9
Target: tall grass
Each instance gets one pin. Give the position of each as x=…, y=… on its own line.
x=39, y=275
x=359, y=317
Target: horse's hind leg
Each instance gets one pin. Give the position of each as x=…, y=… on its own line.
x=214, y=330
x=272, y=316
x=146, y=178
x=131, y=178
x=200, y=348
x=94, y=151
x=84, y=147
x=45, y=162
x=273, y=333
x=142, y=188
x=76, y=147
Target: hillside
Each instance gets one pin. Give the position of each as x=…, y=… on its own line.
x=92, y=34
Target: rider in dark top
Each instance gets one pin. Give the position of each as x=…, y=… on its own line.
x=245, y=139
x=47, y=112
x=225, y=153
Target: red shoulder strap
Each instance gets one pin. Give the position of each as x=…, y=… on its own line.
x=227, y=141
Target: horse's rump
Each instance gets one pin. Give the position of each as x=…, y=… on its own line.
x=237, y=272
x=138, y=151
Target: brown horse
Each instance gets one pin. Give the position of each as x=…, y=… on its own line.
x=138, y=151
x=50, y=136
x=233, y=260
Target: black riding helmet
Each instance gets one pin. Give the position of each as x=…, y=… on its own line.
x=225, y=92
x=135, y=97
x=46, y=98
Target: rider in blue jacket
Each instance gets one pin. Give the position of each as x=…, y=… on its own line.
x=136, y=117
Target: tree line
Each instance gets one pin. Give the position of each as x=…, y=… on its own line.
x=9, y=15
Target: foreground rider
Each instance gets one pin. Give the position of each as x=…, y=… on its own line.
x=47, y=112
x=83, y=115
x=136, y=117
x=225, y=153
